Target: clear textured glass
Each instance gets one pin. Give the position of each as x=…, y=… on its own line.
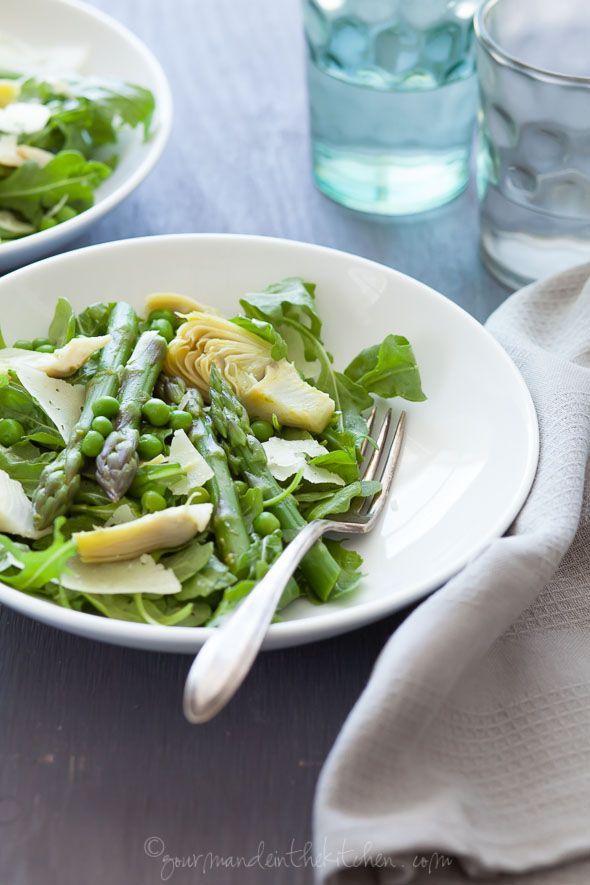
x=393, y=95
x=533, y=62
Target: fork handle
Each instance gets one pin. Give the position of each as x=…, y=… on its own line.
x=224, y=661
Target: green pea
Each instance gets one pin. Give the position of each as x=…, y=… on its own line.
x=262, y=430
x=23, y=344
x=106, y=406
x=40, y=342
x=10, y=431
x=138, y=487
x=47, y=223
x=65, y=213
x=156, y=412
x=241, y=487
x=199, y=496
x=149, y=446
x=180, y=420
x=163, y=314
x=45, y=348
x=102, y=425
x=164, y=328
x=266, y=523
x=152, y=501
x=92, y=444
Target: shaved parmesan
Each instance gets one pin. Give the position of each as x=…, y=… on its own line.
x=62, y=402
x=14, y=154
x=9, y=222
x=16, y=511
x=142, y=575
x=8, y=151
x=192, y=462
x=123, y=513
x=23, y=117
x=288, y=456
x=39, y=155
x=61, y=363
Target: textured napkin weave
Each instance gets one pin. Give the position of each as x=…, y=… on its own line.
x=469, y=750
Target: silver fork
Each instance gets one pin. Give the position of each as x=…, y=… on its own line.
x=225, y=659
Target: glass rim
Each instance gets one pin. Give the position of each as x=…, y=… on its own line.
x=503, y=57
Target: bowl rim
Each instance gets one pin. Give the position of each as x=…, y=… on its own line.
x=300, y=630
x=13, y=250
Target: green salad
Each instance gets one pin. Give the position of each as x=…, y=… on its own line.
x=153, y=467
x=59, y=140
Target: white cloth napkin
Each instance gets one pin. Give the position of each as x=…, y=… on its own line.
x=469, y=750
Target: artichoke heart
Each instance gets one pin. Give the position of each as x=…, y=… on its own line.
x=182, y=304
x=282, y=392
x=156, y=531
x=265, y=387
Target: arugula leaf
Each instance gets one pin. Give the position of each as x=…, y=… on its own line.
x=89, y=112
x=165, y=474
x=340, y=501
x=291, y=297
x=31, y=189
x=38, y=567
x=101, y=512
x=231, y=597
x=388, y=369
x=267, y=332
x=94, y=320
x=251, y=505
x=212, y=577
x=291, y=592
x=91, y=493
x=25, y=463
x=341, y=462
x=164, y=610
x=78, y=523
x=63, y=325
x=353, y=400
x=189, y=560
x=350, y=562
x=17, y=403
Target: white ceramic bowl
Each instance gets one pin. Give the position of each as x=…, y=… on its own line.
x=113, y=51
x=470, y=453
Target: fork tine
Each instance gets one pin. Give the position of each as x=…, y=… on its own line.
x=373, y=462
x=370, y=425
x=391, y=462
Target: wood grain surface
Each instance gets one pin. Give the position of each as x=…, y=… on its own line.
x=95, y=757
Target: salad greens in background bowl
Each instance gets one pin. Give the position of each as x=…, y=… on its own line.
x=84, y=116
x=213, y=392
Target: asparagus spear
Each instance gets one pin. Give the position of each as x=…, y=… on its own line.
x=228, y=524
x=247, y=457
x=117, y=464
x=60, y=480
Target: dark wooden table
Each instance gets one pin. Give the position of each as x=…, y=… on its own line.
x=95, y=756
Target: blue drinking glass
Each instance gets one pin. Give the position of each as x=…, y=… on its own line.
x=393, y=97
